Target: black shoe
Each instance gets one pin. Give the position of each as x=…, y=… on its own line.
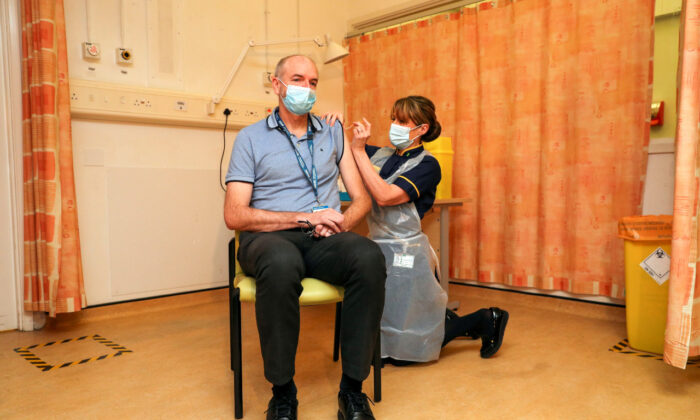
x=282, y=408
x=354, y=406
x=396, y=362
x=492, y=342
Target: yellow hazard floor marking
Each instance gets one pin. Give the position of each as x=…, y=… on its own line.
x=28, y=355
x=624, y=348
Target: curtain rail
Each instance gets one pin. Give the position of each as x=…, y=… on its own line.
x=389, y=18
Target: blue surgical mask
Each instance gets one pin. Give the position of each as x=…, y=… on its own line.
x=400, y=136
x=299, y=100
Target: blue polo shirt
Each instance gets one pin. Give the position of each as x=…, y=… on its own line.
x=263, y=156
x=420, y=183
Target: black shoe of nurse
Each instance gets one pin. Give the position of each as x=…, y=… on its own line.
x=491, y=342
x=354, y=406
x=282, y=408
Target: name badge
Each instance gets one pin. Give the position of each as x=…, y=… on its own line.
x=318, y=208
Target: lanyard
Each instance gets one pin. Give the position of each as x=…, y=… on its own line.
x=311, y=176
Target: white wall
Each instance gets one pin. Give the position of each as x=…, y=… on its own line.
x=149, y=205
x=10, y=165
x=660, y=177
x=206, y=39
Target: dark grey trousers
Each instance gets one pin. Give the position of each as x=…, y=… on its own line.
x=279, y=260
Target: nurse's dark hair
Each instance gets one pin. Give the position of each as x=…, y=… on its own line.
x=420, y=110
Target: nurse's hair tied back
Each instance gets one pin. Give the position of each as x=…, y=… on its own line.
x=420, y=110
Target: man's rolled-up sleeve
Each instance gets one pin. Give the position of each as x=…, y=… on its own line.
x=242, y=164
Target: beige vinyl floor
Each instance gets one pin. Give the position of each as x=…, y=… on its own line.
x=555, y=363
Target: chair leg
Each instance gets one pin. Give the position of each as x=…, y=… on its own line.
x=236, y=350
x=232, y=325
x=377, y=368
x=336, y=339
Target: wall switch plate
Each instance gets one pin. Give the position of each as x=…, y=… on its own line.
x=124, y=56
x=267, y=79
x=91, y=51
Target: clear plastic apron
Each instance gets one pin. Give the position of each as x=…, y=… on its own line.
x=413, y=324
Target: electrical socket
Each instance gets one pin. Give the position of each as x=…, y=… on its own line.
x=124, y=56
x=91, y=51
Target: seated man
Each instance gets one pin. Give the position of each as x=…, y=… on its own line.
x=282, y=194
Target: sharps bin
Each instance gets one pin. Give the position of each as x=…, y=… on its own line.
x=441, y=148
x=647, y=267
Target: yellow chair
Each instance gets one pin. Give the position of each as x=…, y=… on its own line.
x=315, y=292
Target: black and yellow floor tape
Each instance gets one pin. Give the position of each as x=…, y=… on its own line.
x=28, y=352
x=624, y=348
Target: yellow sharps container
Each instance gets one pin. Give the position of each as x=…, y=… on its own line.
x=647, y=266
x=441, y=148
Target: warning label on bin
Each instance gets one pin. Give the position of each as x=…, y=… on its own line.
x=657, y=265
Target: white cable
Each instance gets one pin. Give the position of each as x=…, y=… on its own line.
x=122, y=23
x=87, y=21
x=267, y=56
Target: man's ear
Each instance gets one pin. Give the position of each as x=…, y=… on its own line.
x=277, y=86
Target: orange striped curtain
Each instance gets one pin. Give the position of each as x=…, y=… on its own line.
x=683, y=321
x=53, y=277
x=547, y=103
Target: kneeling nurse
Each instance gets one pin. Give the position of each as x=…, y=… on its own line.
x=402, y=181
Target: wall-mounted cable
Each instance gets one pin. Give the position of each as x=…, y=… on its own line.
x=122, y=23
x=88, y=32
x=227, y=112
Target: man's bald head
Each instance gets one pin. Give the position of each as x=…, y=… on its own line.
x=293, y=60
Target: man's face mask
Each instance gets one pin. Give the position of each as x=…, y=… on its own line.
x=299, y=100
x=400, y=135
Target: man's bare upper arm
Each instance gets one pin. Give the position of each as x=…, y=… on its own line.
x=350, y=174
x=238, y=195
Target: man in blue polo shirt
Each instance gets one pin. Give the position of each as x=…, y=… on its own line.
x=282, y=195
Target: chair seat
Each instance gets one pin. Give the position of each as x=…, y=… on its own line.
x=316, y=292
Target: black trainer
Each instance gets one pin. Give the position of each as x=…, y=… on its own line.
x=282, y=408
x=354, y=406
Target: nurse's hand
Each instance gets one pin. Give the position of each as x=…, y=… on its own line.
x=326, y=220
x=332, y=117
x=323, y=231
x=361, y=132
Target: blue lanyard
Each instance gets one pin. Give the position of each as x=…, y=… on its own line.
x=311, y=176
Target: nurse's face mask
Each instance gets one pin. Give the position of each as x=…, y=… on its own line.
x=400, y=136
x=299, y=99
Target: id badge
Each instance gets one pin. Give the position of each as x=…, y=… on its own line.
x=318, y=208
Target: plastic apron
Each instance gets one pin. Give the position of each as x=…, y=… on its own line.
x=413, y=323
